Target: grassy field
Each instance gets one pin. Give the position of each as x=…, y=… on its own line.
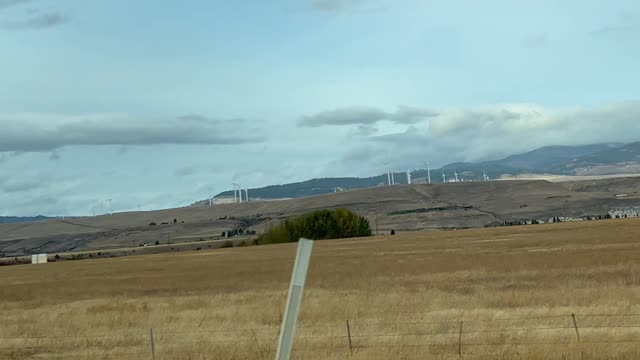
x=512, y=290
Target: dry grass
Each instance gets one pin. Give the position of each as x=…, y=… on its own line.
x=227, y=304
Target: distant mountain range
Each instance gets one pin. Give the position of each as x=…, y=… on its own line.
x=19, y=219
x=594, y=159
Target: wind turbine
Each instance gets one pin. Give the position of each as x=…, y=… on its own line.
x=235, y=192
x=428, y=172
x=239, y=193
x=393, y=178
x=408, y=177
x=456, y=175
x=444, y=177
x=246, y=193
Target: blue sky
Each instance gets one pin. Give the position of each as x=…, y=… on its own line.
x=158, y=104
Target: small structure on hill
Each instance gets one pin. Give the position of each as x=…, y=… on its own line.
x=39, y=259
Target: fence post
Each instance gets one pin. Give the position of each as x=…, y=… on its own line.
x=153, y=345
x=349, y=335
x=575, y=325
x=296, y=288
x=460, y=339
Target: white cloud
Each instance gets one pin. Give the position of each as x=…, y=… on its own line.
x=43, y=133
x=365, y=115
x=489, y=132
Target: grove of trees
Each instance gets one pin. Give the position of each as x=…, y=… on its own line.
x=318, y=225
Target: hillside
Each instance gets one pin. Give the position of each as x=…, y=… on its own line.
x=593, y=159
x=400, y=207
x=21, y=219
x=623, y=159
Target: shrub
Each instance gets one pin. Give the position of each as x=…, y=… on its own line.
x=319, y=225
x=226, y=244
x=152, y=224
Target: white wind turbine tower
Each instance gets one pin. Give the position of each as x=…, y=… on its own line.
x=240, y=193
x=455, y=173
x=408, y=177
x=389, y=177
x=237, y=193
x=444, y=177
x=393, y=178
x=428, y=172
x=246, y=193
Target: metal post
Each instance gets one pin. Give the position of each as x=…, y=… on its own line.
x=153, y=345
x=377, y=233
x=349, y=335
x=460, y=339
x=298, y=279
x=575, y=324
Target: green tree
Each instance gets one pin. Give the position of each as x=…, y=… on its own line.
x=319, y=225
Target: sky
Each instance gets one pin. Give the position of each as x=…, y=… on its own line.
x=158, y=104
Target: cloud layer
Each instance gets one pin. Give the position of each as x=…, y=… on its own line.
x=38, y=21
x=43, y=133
x=366, y=116
x=336, y=6
x=35, y=19
x=8, y=3
x=491, y=132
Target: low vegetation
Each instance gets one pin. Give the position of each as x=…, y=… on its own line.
x=319, y=225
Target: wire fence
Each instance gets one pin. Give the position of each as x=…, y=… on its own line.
x=456, y=337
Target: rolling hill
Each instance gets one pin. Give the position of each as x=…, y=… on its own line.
x=21, y=219
x=400, y=207
x=593, y=159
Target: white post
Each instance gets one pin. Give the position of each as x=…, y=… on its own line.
x=298, y=279
x=389, y=177
x=246, y=193
x=429, y=172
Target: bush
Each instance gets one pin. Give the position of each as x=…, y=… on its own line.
x=319, y=225
x=226, y=244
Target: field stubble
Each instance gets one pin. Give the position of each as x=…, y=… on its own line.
x=511, y=290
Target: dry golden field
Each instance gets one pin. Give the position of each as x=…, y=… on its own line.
x=512, y=291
